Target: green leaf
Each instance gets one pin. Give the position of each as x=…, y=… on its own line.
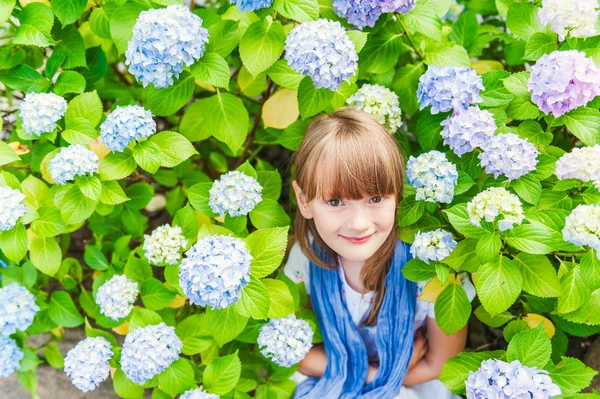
x=62, y=310
x=71, y=46
x=269, y=213
x=67, y=11
x=155, y=295
x=529, y=188
x=590, y=269
x=447, y=55
x=521, y=108
x=299, y=10
x=575, y=292
x=137, y=268
x=54, y=357
x=452, y=309
x=90, y=186
x=226, y=119
x=405, y=83
x=530, y=238
x=45, y=255
x=95, y=258
x=122, y=22
x=358, y=38
x=69, y=82
x=459, y=218
x=381, y=51
x=267, y=247
x=125, y=388
x=531, y=347
x=167, y=101
x=496, y=321
x=410, y=211
x=86, y=106
x=99, y=23
x=464, y=30
x=11, y=56
x=456, y=370
x=7, y=154
x=117, y=165
x=80, y=131
x=174, y=148
x=517, y=83
x=417, y=270
x=463, y=257
x=36, y=23
x=428, y=130
x=422, y=20
x=141, y=317
x=112, y=193
x=282, y=302
x=211, y=69
x=6, y=7
x=140, y=194
x=178, y=377
x=284, y=76
x=222, y=374
x=488, y=248
x=195, y=334
x=311, y=100
x=539, y=44
x=225, y=324
x=571, y=375
x=539, y=276
x=93, y=332
x=522, y=20
x=49, y=223
x=584, y=123
x=224, y=37
x=513, y=328
x=498, y=285
x=262, y=45
x=24, y=78
x=188, y=221
x=270, y=180
x=14, y=242
x=254, y=301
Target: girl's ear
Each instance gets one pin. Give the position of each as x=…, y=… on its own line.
x=302, y=204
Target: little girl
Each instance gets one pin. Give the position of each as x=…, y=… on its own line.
x=348, y=183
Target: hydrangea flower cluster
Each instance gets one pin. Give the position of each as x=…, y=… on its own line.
x=433, y=176
x=164, y=40
x=17, y=308
x=563, y=81
x=358, y=13
x=126, y=124
x=87, y=363
x=10, y=356
x=252, y=5
x=285, y=340
x=501, y=380
x=164, y=244
x=509, y=155
x=71, y=161
x=582, y=227
x=581, y=163
x=466, y=130
x=12, y=207
x=198, y=393
x=577, y=17
x=380, y=102
x=449, y=87
x=41, y=111
x=215, y=271
x=148, y=351
x=496, y=202
x=235, y=193
x=322, y=50
x=433, y=245
x=401, y=6
x=116, y=296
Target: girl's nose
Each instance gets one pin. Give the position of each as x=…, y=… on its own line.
x=359, y=219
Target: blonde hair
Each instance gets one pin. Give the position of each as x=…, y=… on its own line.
x=348, y=155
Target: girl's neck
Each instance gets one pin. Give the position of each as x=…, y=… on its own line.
x=352, y=271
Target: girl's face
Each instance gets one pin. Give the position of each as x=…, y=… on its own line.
x=354, y=229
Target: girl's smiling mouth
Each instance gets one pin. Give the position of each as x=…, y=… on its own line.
x=359, y=240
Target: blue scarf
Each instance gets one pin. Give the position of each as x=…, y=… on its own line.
x=347, y=364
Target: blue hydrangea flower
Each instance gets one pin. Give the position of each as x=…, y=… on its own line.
x=433, y=245
x=582, y=227
x=163, y=246
x=87, y=363
x=40, y=112
x=509, y=155
x=359, y=13
x=235, y=193
x=496, y=202
x=116, y=296
x=433, y=176
x=215, y=271
x=12, y=207
x=148, y=351
x=285, y=340
x=401, y=6
x=198, y=393
x=449, y=87
x=71, y=161
x=563, y=81
x=466, y=130
x=164, y=40
x=379, y=102
x=322, y=50
x=500, y=380
x=582, y=164
x=252, y=5
x=17, y=308
x=10, y=356
x=126, y=124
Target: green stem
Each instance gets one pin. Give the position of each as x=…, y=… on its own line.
x=550, y=122
x=411, y=41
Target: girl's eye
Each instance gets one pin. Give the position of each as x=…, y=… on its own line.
x=377, y=199
x=334, y=202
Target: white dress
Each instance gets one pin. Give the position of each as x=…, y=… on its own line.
x=297, y=269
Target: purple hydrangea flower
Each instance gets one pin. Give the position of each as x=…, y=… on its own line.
x=17, y=309
x=71, y=161
x=433, y=245
x=401, y=6
x=252, y=5
x=509, y=155
x=322, y=50
x=41, y=111
x=577, y=17
x=164, y=40
x=582, y=227
x=449, y=87
x=12, y=207
x=126, y=124
x=285, y=340
x=500, y=380
x=433, y=176
x=359, y=13
x=563, y=81
x=581, y=163
x=10, y=356
x=466, y=130
x=87, y=363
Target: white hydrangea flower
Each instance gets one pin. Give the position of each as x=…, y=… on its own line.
x=116, y=296
x=12, y=207
x=433, y=245
x=71, y=161
x=41, y=111
x=87, y=363
x=380, y=102
x=285, y=340
x=582, y=164
x=582, y=227
x=235, y=193
x=198, y=393
x=433, y=176
x=496, y=202
x=578, y=17
x=163, y=246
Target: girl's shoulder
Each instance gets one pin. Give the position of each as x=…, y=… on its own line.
x=296, y=267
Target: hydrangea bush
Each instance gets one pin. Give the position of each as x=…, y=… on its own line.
x=145, y=192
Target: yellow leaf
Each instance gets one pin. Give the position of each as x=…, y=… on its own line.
x=123, y=329
x=19, y=148
x=177, y=302
x=482, y=67
x=97, y=274
x=281, y=109
x=534, y=320
x=99, y=148
x=25, y=2
x=58, y=331
x=434, y=288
